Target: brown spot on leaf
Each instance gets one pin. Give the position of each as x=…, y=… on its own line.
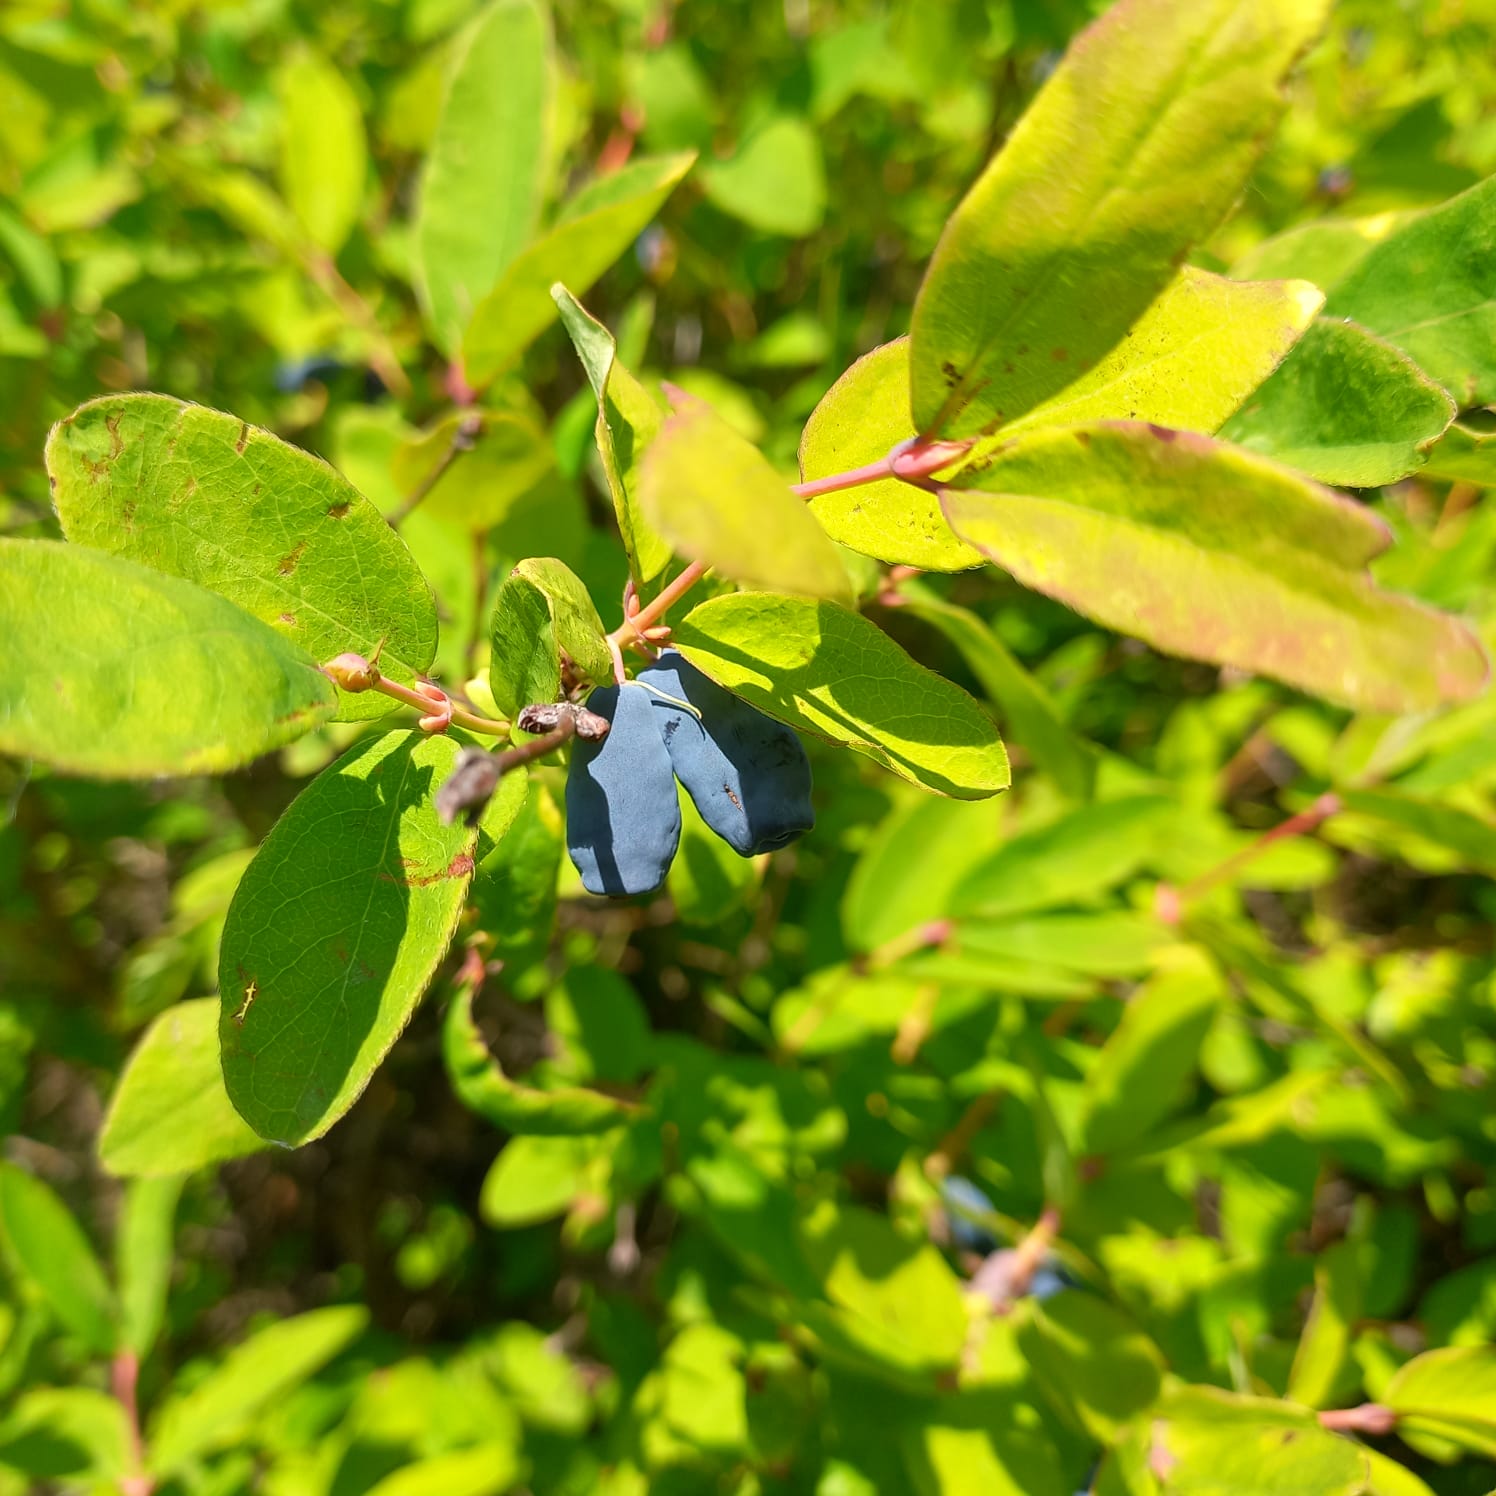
x=1059, y=355
x=289, y=619
x=116, y=441
x=339, y=510
x=1162, y=432
x=1021, y=349
x=243, y=441
x=287, y=563
x=1084, y=438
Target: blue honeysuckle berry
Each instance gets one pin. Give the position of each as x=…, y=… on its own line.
x=747, y=774
x=622, y=814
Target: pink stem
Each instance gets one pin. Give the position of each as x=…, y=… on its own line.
x=1369, y=1418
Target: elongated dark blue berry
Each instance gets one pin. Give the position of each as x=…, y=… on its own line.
x=622, y=815
x=747, y=773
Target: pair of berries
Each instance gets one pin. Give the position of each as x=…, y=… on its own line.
x=747, y=774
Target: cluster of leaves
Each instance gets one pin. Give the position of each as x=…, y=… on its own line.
x=780, y=1155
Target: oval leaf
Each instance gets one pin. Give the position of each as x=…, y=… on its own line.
x=1133, y=152
x=115, y=670
x=598, y=225
x=717, y=499
x=1430, y=288
x=334, y=932
x=206, y=496
x=44, y=1244
x=324, y=156
x=170, y=1113
x=1345, y=408
x=776, y=181
x=485, y=175
x=1450, y=1393
x=542, y=608
x=830, y=672
x=1210, y=553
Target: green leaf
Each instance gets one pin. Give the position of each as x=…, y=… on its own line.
x=509, y=455
x=1107, y=944
x=1081, y=854
x=1323, y=252
x=1264, y=576
x=859, y=420
x=597, y=226
x=535, y=1178
x=1333, y=1316
x=53, y=1433
x=832, y=673
x=484, y=179
x=1134, y=150
x=334, y=932
x=484, y=1470
x=117, y=671
x=144, y=1241
x=775, y=181
x=984, y=1457
x=1345, y=408
x=907, y=872
x=540, y=609
x=1032, y=716
x=1449, y=1393
x=1097, y=1368
x=1266, y=1459
x=46, y=1246
x=1430, y=288
x=1141, y=1073
x=324, y=157
x=715, y=497
x=482, y=1086
x=1466, y=453
x=1470, y=837
x=628, y=420
x=514, y=888
x=267, y=1366
x=170, y=1113
x=708, y=882
x=206, y=496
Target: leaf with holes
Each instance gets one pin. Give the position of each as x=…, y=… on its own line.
x=335, y=931
x=206, y=496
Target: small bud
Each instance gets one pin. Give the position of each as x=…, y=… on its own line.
x=352, y=672
x=542, y=716
x=590, y=727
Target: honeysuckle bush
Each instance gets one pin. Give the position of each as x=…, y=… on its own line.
x=1097, y=1097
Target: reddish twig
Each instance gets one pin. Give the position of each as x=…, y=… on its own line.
x=124, y=1373
x=1369, y=1418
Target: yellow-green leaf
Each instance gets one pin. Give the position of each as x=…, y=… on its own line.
x=541, y=609
x=830, y=672
x=1209, y=552
x=715, y=497
x=324, y=157
x=114, y=670
x=1133, y=152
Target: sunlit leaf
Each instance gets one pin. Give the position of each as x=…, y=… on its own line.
x=774, y=182
x=118, y=671
x=1450, y=1393
x=206, y=496
x=324, y=157
x=541, y=609
x=830, y=672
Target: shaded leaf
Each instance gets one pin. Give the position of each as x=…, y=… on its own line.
x=484, y=178
x=1345, y=408
x=715, y=497
x=1262, y=573
x=1323, y=252
x=170, y=1113
x=206, y=496
x=830, y=672
x=1266, y=1459
x=540, y=609
x=1465, y=453
x=118, y=671
x=628, y=420
x=324, y=157
x=1072, y=230
x=597, y=226
x=482, y=1086
x=45, y=1245
x=52, y=1433
x=1430, y=288
x=336, y=928
x=271, y=1363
